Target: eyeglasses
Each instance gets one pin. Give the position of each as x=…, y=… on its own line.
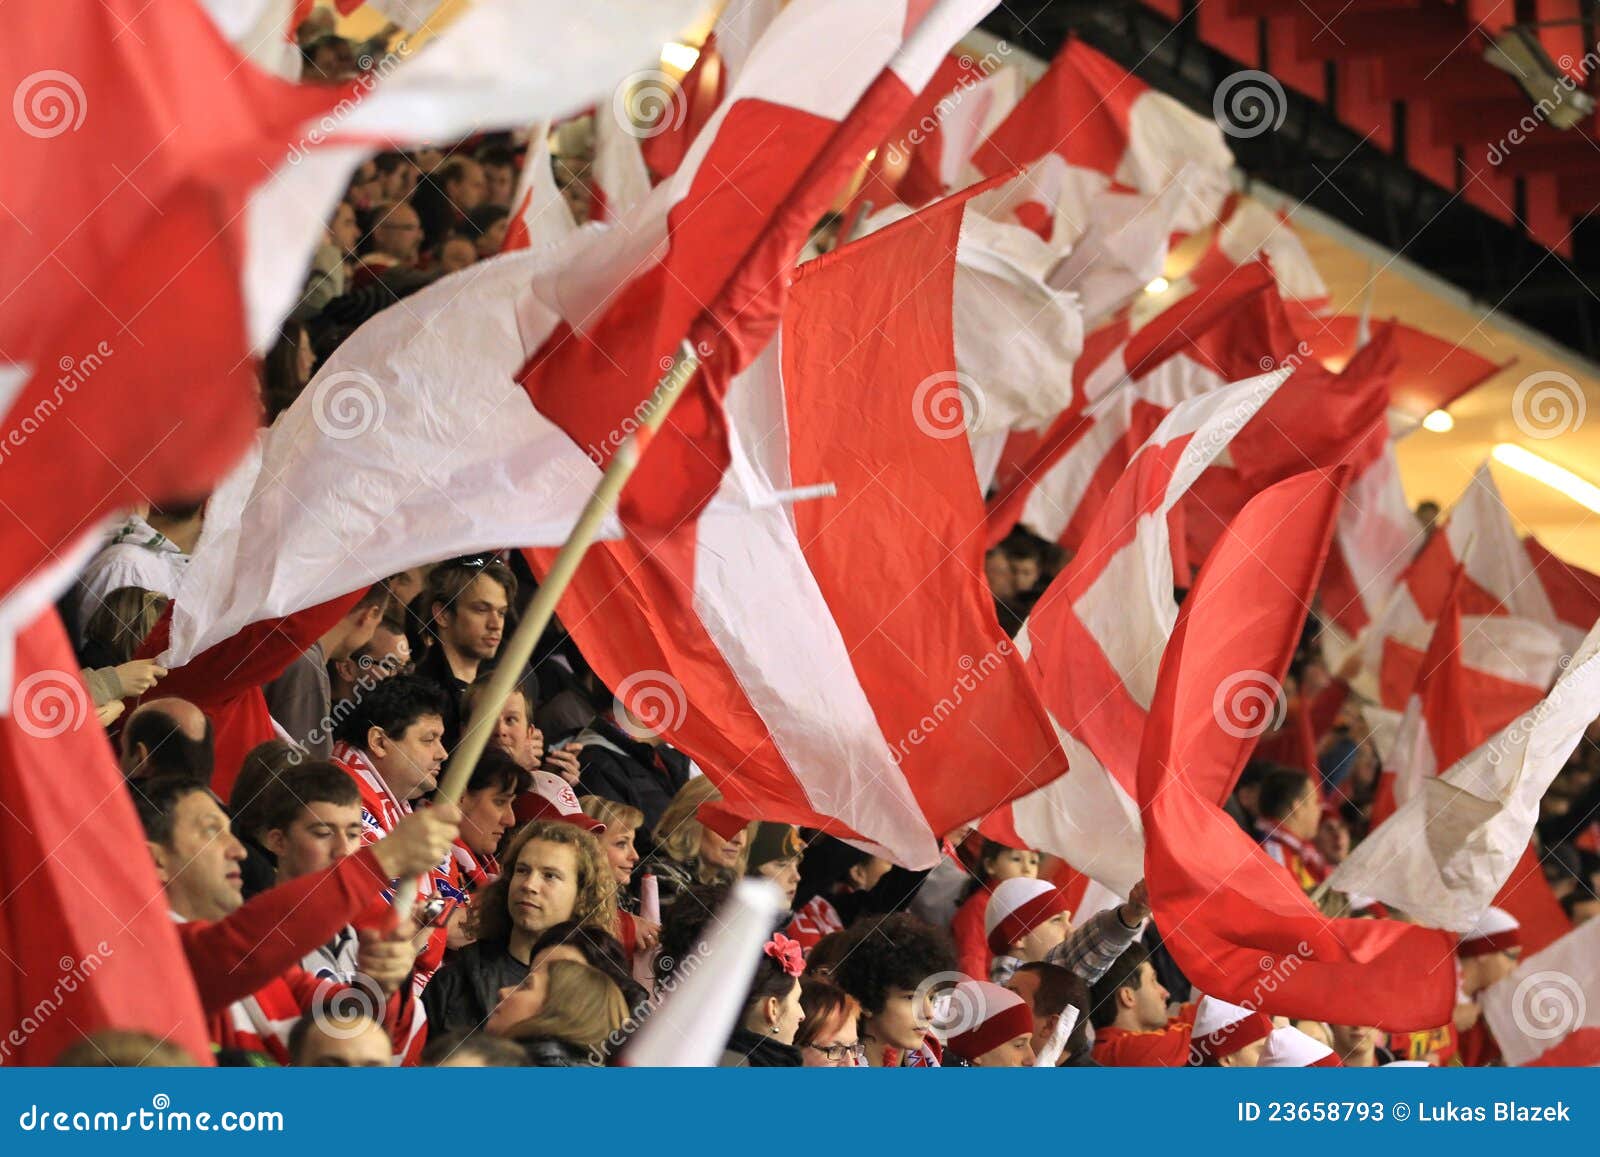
x=836, y=1054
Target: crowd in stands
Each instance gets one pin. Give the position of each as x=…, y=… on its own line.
x=288, y=804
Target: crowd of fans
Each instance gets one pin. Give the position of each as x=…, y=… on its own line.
x=582, y=864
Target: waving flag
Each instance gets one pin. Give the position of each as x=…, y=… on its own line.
x=706, y=256
x=837, y=666
x=540, y=215
x=1547, y=1012
x=1249, y=230
x=1229, y=915
x=1087, y=112
x=1094, y=640
x=1448, y=850
x=85, y=940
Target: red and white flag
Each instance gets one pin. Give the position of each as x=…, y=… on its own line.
x=1510, y=646
x=1095, y=638
x=1574, y=593
x=1092, y=114
x=1239, y=926
x=86, y=943
x=618, y=179
x=1249, y=230
x=540, y=215
x=705, y=258
x=838, y=665
x=1448, y=850
x=1547, y=1012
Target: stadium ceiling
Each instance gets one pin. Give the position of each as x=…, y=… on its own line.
x=1393, y=124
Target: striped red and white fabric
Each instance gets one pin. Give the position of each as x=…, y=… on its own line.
x=1574, y=593
x=1095, y=639
x=1249, y=230
x=838, y=665
x=540, y=215
x=1449, y=850
x=1510, y=645
x=1376, y=539
x=705, y=258
x=1547, y=1012
x=1124, y=383
x=1092, y=114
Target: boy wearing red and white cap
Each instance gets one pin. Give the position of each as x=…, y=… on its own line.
x=996, y=1026
x=1024, y=920
x=1228, y=1035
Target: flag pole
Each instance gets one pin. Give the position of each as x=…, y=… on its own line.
x=519, y=648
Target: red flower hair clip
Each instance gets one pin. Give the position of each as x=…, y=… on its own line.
x=788, y=953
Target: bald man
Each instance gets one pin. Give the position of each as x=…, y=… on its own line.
x=167, y=737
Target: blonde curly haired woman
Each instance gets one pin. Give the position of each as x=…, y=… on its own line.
x=687, y=852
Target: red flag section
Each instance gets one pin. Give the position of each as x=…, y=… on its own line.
x=706, y=257
x=839, y=666
x=1229, y=915
x=122, y=271
x=85, y=938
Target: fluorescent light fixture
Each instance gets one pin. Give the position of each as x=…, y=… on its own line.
x=1159, y=285
x=679, y=56
x=1438, y=422
x=1581, y=491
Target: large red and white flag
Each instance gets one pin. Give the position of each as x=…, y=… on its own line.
x=85, y=940
x=1510, y=645
x=1574, y=593
x=838, y=665
x=1249, y=230
x=1448, y=850
x=706, y=257
x=1087, y=112
x=1547, y=1012
x=1239, y=926
x=1095, y=638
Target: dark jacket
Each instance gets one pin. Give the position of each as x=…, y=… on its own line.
x=435, y=667
x=618, y=767
x=751, y=1050
x=463, y=993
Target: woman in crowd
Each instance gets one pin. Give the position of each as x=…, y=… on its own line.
x=775, y=851
x=764, y=1037
x=563, y=1016
x=622, y=822
x=688, y=852
x=829, y=1036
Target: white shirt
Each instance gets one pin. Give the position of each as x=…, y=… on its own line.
x=137, y=555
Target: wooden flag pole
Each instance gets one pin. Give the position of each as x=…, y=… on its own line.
x=519, y=648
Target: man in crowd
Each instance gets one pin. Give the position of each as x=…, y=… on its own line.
x=1291, y=811
x=469, y=600
x=1129, y=1009
x=339, y=1040
x=301, y=699
x=167, y=737
x=244, y=956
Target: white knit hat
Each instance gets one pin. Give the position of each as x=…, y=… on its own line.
x=1017, y=907
x=1289, y=1048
